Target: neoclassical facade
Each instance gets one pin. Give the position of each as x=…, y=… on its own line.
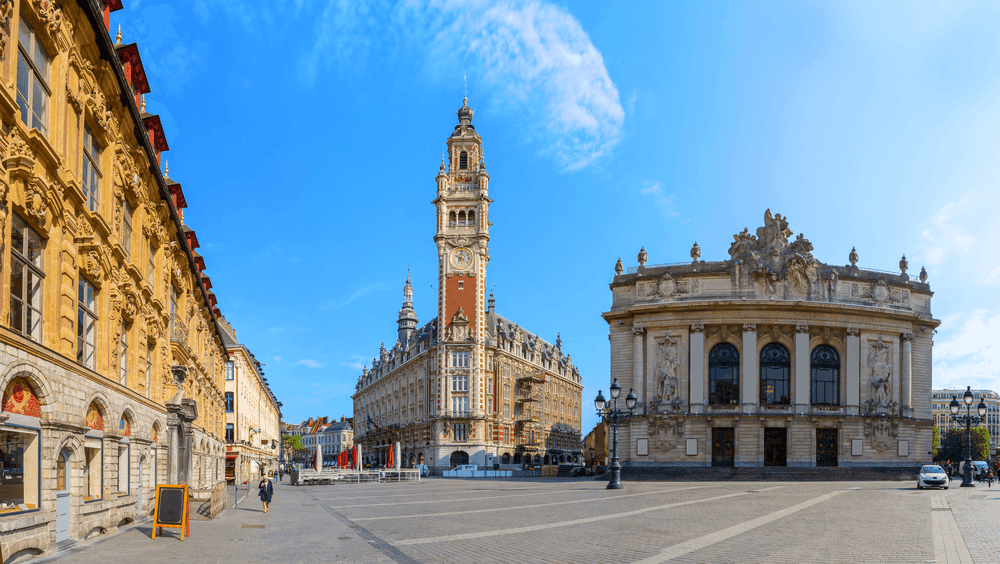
x=470, y=386
x=107, y=308
x=772, y=358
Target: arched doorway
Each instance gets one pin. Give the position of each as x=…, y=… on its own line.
x=421, y=458
x=538, y=459
x=63, y=483
x=505, y=459
x=517, y=458
x=458, y=458
x=545, y=460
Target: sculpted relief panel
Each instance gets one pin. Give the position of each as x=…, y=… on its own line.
x=667, y=394
x=880, y=378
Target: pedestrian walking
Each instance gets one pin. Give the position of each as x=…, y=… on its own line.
x=266, y=490
x=279, y=474
x=989, y=479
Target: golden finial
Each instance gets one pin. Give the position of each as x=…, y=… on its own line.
x=118, y=38
x=142, y=103
x=166, y=168
x=465, y=97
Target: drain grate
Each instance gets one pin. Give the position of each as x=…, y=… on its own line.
x=308, y=505
x=344, y=538
x=355, y=526
x=940, y=509
x=253, y=526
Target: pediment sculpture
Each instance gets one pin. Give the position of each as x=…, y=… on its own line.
x=667, y=395
x=665, y=431
x=880, y=377
x=880, y=431
x=769, y=264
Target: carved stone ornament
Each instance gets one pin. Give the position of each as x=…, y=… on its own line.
x=879, y=292
x=880, y=377
x=458, y=329
x=92, y=266
x=801, y=328
x=619, y=268
x=99, y=107
x=17, y=147
x=34, y=203
x=638, y=331
x=6, y=10
x=880, y=431
x=697, y=328
x=768, y=264
x=50, y=14
x=667, y=366
x=923, y=275
x=853, y=331
x=695, y=253
x=749, y=327
x=665, y=432
x=642, y=256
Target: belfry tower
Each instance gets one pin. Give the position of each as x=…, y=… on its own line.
x=462, y=237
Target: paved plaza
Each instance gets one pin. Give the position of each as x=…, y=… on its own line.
x=545, y=521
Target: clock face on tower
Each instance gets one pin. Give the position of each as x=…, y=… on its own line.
x=461, y=258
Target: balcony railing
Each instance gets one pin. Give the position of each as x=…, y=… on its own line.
x=178, y=330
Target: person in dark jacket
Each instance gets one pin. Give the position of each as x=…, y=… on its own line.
x=266, y=490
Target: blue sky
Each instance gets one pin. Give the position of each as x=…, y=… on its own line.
x=307, y=135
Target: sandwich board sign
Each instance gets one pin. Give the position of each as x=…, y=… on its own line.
x=172, y=509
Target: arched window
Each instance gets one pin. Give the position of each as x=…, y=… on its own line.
x=461, y=219
x=472, y=218
x=723, y=375
x=775, y=375
x=825, y=369
x=463, y=160
x=451, y=219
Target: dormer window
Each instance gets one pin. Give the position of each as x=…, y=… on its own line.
x=463, y=160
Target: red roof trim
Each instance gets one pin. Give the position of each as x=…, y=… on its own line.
x=115, y=5
x=152, y=123
x=178, y=194
x=206, y=281
x=193, y=243
x=130, y=54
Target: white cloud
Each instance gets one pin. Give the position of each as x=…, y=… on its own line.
x=667, y=203
x=969, y=355
x=311, y=363
x=534, y=57
x=354, y=365
x=277, y=359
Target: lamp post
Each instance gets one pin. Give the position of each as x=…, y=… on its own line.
x=613, y=415
x=968, y=420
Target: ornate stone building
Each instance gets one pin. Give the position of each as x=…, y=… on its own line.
x=111, y=362
x=469, y=386
x=253, y=414
x=772, y=358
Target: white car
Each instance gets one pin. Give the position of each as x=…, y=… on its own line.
x=932, y=477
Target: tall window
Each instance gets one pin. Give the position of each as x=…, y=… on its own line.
x=91, y=169
x=825, y=368
x=229, y=402
x=123, y=354
x=723, y=375
x=463, y=160
x=86, y=326
x=123, y=468
x=26, y=276
x=459, y=404
x=19, y=456
x=230, y=370
x=151, y=267
x=150, y=347
x=92, y=473
x=460, y=383
x=460, y=359
x=775, y=375
x=460, y=431
x=127, y=229
x=32, y=79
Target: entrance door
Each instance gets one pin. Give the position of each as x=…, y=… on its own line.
x=459, y=458
x=723, y=449
x=826, y=447
x=776, y=447
x=62, y=497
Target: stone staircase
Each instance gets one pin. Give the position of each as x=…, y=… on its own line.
x=771, y=473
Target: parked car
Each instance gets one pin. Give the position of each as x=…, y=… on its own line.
x=424, y=470
x=932, y=476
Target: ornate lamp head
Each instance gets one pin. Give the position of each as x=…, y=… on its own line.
x=616, y=389
x=967, y=396
x=953, y=406
x=630, y=400
x=599, y=402
x=981, y=408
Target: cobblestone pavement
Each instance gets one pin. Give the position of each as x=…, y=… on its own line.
x=550, y=520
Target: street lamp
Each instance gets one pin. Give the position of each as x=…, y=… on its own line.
x=968, y=420
x=614, y=415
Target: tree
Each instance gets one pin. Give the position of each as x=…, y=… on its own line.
x=935, y=442
x=292, y=444
x=952, y=445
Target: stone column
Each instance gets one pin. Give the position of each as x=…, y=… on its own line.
x=853, y=369
x=696, y=373
x=802, y=379
x=638, y=370
x=750, y=376
x=906, y=377
x=174, y=436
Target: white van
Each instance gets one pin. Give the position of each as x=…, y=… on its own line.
x=424, y=470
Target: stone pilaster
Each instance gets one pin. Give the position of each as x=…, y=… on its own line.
x=802, y=388
x=853, y=370
x=696, y=373
x=638, y=368
x=750, y=376
x=906, y=377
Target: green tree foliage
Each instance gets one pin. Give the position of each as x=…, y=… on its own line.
x=952, y=445
x=935, y=441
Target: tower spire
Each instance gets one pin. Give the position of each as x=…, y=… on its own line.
x=407, y=321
